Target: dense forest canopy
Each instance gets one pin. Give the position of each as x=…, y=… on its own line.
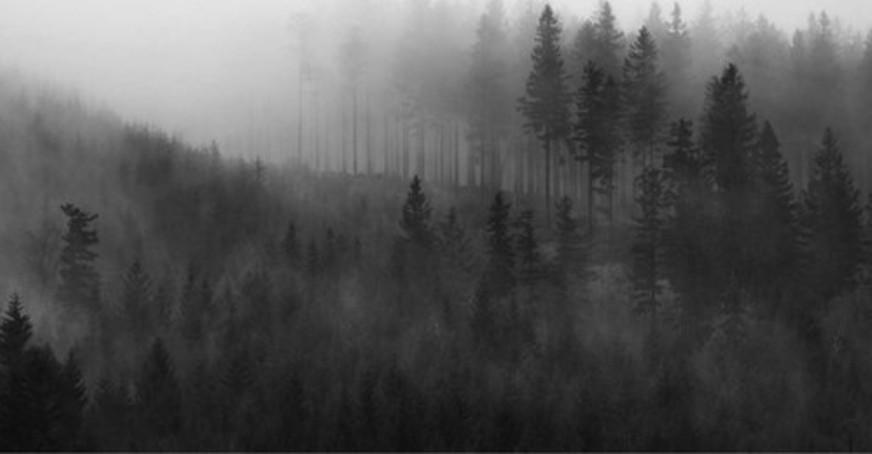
x=529, y=231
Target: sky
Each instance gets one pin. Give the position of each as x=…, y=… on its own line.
x=205, y=68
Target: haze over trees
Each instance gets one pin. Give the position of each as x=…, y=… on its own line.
x=528, y=232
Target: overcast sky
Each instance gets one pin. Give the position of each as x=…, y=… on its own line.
x=197, y=66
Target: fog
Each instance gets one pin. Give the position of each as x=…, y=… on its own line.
x=215, y=69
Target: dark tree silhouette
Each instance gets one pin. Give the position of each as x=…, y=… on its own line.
x=545, y=103
x=597, y=134
x=831, y=223
x=79, y=289
x=644, y=90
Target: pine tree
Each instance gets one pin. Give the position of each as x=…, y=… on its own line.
x=137, y=301
x=189, y=307
x=572, y=249
x=831, y=223
x=80, y=284
x=675, y=55
x=488, y=112
x=159, y=398
x=689, y=239
x=15, y=332
x=729, y=136
x=72, y=403
x=609, y=41
x=415, y=220
x=775, y=214
x=654, y=198
x=644, y=95
x=597, y=133
x=501, y=257
x=545, y=104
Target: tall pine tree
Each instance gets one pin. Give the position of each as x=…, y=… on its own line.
x=80, y=284
x=545, y=103
x=831, y=223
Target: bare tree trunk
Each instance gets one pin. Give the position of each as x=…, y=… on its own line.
x=548, y=182
x=354, y=129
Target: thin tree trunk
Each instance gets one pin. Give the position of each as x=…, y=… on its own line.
x=548, y=182
x=354, y=129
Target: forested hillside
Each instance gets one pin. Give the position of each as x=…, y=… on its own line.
x=679, y=260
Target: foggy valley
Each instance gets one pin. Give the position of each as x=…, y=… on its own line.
x=435, y=225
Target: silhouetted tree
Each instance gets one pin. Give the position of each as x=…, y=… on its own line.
x=831, y=223
x=597, y=134
x=609, y=42
x=654, y=198
x=488, y=109
x=545, y=103
x=415, y=220
x=79, y=288
x=644, y=90
x=136, y=302
x=158, y=400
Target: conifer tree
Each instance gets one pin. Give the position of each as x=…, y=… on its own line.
x=597, y=133
x=571, y=260
x=415, y=220
x=545, y=103
x=831, y=223
x=729, y=136
x=488, y=112
x=15, y=332
x=775, y=212
x=137, y=301
x=190, y=310
x=689, y=239
x=159, y=398
x=609, y=41
x=500, y=277
x=80, y=284
x=644, y=95
x=654, y=198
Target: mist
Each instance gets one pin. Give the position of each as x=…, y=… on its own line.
x=435, y=225
x=225, y=70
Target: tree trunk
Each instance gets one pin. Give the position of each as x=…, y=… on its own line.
x=548, y=182
x=354, y=129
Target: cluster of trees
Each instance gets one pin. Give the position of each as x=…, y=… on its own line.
x=228, y=304
x=449, y=110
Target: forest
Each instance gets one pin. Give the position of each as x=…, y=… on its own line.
x=565, y=236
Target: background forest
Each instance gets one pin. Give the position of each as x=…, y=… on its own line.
x=553, y=234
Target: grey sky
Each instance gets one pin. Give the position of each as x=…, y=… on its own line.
x=206, y=67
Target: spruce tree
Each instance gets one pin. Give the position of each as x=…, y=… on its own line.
x=689, y=239
x=545, y=104
x=571, y=260
x=654, y=198
x=489, y=114
x=137, y=301
x=80, y=284
x=609, y=41
x=775, y=214
x=644, y=95
x=15, y=332
x=597, y=134
x=729, y=137
x=500, y=277
x=159, y=398
x=831, y=223
x=415, y=219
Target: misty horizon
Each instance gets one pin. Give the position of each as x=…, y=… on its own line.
x=217, y=70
